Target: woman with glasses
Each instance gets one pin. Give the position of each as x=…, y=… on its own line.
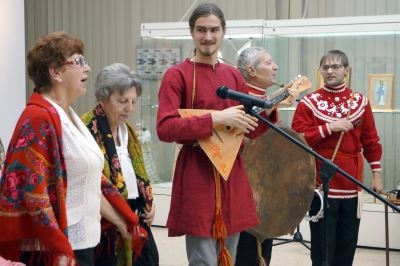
x=338, y=123
x=117, y=91
x=50, y=195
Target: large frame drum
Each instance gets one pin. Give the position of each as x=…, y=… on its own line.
x=282, y=176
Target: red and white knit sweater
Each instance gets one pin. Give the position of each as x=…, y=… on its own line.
x=312, y=117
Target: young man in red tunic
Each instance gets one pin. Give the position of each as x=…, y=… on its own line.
x=337, y=117
x=204, y=205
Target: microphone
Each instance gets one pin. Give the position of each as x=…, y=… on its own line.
x=245, y=99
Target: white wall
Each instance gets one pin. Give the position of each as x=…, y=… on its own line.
x=12, y=66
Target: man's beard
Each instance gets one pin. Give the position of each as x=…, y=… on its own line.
x=207, y=52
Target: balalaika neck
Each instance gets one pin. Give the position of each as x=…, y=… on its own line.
x=278, y=98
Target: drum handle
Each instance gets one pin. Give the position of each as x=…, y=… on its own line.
x=337, y=146
x=342, y=133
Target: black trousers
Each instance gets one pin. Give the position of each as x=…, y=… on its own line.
x=85, y=257
x=342, y=232
x=247, y=250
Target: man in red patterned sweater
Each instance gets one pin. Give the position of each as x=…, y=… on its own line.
x=335, y=117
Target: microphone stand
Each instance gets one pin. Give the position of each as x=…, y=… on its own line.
x=297, y=237
x=326, y=172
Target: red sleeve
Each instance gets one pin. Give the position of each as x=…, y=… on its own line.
x=170, y=126
x=372, y=149
x=304, y=122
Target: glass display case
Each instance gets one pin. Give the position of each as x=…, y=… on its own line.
x=372, y=44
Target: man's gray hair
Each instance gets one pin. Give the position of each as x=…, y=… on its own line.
x=249, y=57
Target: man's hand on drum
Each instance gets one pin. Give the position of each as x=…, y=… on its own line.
x=235, y=117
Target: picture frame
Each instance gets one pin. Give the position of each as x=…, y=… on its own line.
x=320, y=80
x=152, y=63
x=380, y=90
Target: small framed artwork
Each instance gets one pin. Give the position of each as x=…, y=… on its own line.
x=320, y=79
x=152, y=63
x=380, y=90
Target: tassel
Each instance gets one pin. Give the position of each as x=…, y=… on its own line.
x=139, y=237
x=218, y=228
x=219, y=233
x=224, y=258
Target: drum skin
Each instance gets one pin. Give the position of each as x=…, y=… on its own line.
x=282, y=176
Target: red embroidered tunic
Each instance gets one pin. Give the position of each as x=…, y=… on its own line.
x=192, y=209
x=323, y=106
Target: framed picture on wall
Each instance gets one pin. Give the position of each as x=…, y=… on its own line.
x=320, y=79
x=152, y=63
x=380, y=90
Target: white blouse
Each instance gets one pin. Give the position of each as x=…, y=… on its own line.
x=126, y=163
x=84, y=162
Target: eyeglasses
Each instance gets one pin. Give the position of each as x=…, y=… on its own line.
x=77, y=61
x=333, y=67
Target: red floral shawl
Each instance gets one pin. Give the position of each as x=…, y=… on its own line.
x=33, y=187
